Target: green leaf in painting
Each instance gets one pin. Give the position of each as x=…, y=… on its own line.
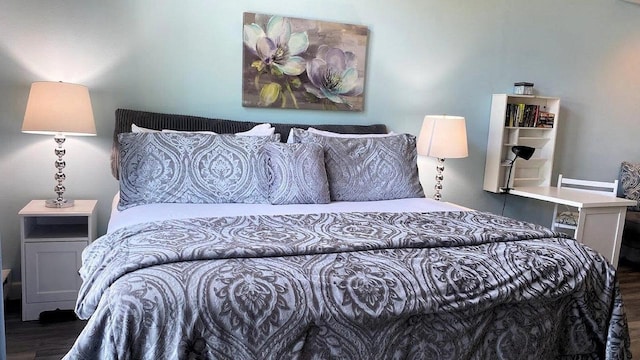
x=295, y=82
x=258, y=65
x=269, y=94
x=256, y=82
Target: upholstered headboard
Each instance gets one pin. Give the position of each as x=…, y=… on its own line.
x=159, y=121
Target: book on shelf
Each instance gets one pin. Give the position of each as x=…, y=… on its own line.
x=526, y=115
x=545, y=119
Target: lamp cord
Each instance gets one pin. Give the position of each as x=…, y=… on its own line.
x=504, y=202
x=509, y=177
x=506, y=188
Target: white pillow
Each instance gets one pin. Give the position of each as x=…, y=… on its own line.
x=292, y=137
x=139, y=129
x=259, y=130
x=182, y=131
x=333, y=134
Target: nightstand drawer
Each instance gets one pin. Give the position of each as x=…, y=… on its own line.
x=53, y=275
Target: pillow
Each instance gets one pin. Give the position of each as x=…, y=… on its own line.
x=630, y=179
x=293, y=135
x=296, y=174
x=335, y=134
x=184, y=132
x=139, y=129
x=367, y=169
x=259, y=130
x=191, y=168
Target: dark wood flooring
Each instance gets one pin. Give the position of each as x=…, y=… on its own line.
x=33, y=340
x=29, y=340
x=629, y=279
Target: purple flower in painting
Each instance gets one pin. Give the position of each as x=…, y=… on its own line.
x=333, y=75
x=278, y=47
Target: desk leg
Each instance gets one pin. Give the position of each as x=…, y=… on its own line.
x=601, y=230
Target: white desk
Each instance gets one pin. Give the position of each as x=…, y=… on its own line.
x=601, y=217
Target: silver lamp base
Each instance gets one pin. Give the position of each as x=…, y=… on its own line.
x=54, y=203
x=439, y=178
x=59, y=201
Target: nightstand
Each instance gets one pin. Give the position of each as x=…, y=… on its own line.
x=52, y=240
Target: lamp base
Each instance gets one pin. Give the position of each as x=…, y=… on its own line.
x=439, y=177
x=60, y=201
x=55, y=203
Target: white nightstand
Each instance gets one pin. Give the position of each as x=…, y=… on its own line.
x=52, y=240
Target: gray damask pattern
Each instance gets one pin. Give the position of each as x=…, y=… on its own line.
x=191, y=168
x=296, y=174
x=568, y=218
x=630, y=179
x=366, y=169
x=456, y=285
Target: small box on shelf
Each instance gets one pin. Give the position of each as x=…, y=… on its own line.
x=523, y=88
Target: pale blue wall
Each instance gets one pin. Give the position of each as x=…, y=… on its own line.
x=424, y=57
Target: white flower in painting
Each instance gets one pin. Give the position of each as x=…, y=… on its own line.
x=277, y=47
x=333, y=74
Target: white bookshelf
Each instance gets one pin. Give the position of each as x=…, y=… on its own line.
x=502, y=137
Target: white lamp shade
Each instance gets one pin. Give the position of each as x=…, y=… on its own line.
x=443, y=137
x=59, y=108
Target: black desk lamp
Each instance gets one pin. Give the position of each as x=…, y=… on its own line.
x=524, y=152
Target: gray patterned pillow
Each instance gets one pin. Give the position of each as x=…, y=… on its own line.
x=630, y=179
x=296, y=174
x=191, y=168
x=367, y=169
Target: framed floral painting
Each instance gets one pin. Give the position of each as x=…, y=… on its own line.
x=296, y=63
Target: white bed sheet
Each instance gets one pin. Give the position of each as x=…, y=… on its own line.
x=154, y=212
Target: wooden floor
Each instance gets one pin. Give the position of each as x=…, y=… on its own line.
x=32, y=340
x=630, y=288
x=28, y=340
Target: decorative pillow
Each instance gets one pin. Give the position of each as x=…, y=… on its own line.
x=191, y=168
x=366, y=169
x=630, y=179
x=568, y=218
x=296, y=174
x=294, y=135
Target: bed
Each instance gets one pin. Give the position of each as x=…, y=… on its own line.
x=354, y=265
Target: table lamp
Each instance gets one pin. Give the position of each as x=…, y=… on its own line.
x=442, y=137
x=520, y=151
x=59, y=109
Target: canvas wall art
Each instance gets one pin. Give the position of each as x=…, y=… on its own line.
x=294, y=63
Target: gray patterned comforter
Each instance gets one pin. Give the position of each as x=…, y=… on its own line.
x=446, y=285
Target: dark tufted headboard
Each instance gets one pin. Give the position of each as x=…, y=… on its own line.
x=159, y=121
